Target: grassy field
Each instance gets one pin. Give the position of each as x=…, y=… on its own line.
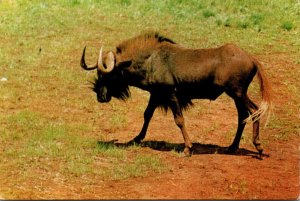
x=49, y=119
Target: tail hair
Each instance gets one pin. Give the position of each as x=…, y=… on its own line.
x=266, y=106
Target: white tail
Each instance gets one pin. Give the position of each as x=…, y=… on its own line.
x=266, y=105
x=264, y=108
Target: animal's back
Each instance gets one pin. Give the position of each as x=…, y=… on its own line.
x=142, y=46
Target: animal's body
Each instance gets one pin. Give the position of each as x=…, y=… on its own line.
x=175, y=75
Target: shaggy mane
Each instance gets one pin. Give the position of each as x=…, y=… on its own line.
x=142, y=44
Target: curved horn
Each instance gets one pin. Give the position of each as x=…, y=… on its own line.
x=83, y=64
x=109, y=62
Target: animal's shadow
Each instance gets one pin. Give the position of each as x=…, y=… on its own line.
x=197, y=149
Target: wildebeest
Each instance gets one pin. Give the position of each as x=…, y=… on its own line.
x=174, y=75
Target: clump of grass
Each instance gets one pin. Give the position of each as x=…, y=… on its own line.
x=208, y=13
x=287, y=25
x=219, y=22
x=257, y=18
x=228, y=22
x=244, y=24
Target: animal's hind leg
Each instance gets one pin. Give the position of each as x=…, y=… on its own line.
x=242, y=115
x=252, y=108
x=179, y=120
x=245, y=107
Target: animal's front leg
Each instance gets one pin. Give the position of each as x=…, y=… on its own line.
x=179, y=120
x=147, y=117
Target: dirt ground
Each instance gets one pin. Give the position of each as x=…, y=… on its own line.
x=209, y=173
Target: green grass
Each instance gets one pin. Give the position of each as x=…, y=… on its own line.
x=208, y=13
x=139, y=166
x=30, y=140
x=286, y=25
x=51, y=122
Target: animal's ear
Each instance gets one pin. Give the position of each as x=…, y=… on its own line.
x=125, y=64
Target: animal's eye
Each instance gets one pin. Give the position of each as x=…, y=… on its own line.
x=119, y=50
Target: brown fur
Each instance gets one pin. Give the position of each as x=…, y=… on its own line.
x=175, y=75
x=266, y=106
x=139, y=46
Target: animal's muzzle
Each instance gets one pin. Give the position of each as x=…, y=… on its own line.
x=103, y=95
x=103, y=98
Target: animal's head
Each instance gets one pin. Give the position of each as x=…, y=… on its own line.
x=110, y=81
x=112, y=66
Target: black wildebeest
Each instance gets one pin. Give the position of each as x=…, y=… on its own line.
x=174, y=75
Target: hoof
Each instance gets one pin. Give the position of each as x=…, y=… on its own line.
x=187, y=152
x=259, y=149
x=232, y=149
x=137, y=140
x=260, y=152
